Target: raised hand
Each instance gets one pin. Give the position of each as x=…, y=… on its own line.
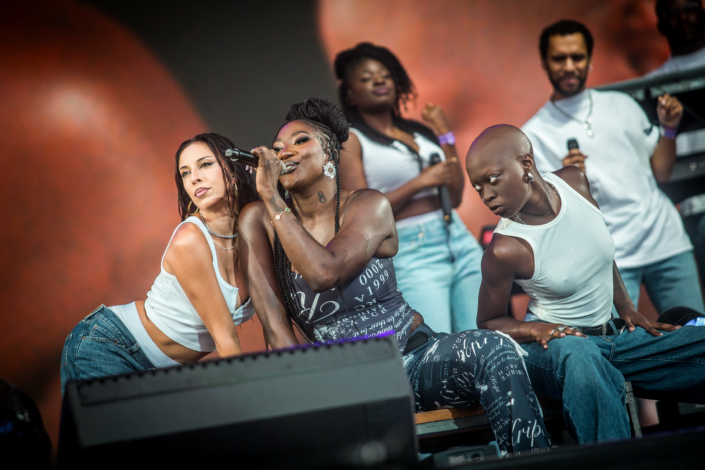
x=669, y=110
x=435, y=118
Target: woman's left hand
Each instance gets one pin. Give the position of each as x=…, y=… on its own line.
x=268, y=170
x=634, y=319
x=435, y=118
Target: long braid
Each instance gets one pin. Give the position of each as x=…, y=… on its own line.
x=333, y=129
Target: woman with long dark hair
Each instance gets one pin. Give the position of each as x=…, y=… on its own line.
x=320, y=258
x=438, y=264
x=198, y=297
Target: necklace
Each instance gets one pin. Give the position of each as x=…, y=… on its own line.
x=549, y=203
x=222, y=247
x=216, y=234
x=587, y=123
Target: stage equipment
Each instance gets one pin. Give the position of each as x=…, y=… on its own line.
x=688, y=176
x=246, y=158
x=443, y=194
x=346, y=404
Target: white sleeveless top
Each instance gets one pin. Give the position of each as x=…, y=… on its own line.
x=387, y=167
x=573, y=256
x=172, y=312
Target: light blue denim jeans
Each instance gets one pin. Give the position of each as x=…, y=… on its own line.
x=672, y=282
x=589, y=375
x=99, y=346
x=439, y=274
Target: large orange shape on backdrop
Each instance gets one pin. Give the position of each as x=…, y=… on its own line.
x=90, y=122
x=480, y=59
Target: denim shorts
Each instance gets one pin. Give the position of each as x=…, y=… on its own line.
x=99, y=346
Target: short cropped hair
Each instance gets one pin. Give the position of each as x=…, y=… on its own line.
x=564, y=28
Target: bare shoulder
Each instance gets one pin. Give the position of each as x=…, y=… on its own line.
x=505, y=251
x=368, y=199
x=253, y=213
x=188, y=242
x=576, y=179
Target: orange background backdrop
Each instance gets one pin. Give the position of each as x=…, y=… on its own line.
x=91, y=118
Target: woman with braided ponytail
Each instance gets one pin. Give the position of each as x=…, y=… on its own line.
x=320, y=258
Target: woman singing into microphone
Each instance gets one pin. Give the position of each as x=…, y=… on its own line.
x=321, y=260
x=198, y=297
x=438, y=266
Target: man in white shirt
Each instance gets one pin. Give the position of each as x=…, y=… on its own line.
x=622, y=155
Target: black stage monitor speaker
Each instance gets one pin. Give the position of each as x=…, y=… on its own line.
x=688, y=176
x=341, y=405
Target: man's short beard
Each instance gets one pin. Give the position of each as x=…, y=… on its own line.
x=566, y=93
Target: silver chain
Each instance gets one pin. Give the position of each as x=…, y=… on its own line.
x=214, y=233
x=587, y=123
x=549, y=203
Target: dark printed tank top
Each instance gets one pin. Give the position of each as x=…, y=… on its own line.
x=374, y=305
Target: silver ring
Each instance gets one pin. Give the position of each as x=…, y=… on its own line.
x=561, y=328
x=550, y=333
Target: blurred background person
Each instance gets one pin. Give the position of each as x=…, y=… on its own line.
x=438, y=263
x=682, y=22
x=623, y=156
x=199, y=295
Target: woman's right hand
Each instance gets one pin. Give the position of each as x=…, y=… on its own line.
x=545, y=332
x=268, y=170
x=436, y=175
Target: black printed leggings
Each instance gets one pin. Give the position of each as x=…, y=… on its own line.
x=460, y=369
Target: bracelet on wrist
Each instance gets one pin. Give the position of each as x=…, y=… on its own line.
x=279, y=215
x=447, y=139
x=668, y=132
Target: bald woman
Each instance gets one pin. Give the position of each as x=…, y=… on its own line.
x=552, y=241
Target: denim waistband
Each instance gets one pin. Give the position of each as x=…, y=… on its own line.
x=429, y=229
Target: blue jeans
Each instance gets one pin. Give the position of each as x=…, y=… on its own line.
x=589, y=375
x=440, y=275
x=99, y=346
x=672, y=282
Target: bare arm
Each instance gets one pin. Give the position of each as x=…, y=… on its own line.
x=670, y=112
x=367, y=223
x=352, y=176
x=505, y=259
x=257, y=264
x=189, y=258
x=436, y=119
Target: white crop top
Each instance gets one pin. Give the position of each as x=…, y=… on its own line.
x=172, y=312
x=388, y=167
x=573, y=256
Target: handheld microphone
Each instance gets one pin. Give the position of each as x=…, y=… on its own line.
x=247, y=158
x=573, y=144
x=443, y=194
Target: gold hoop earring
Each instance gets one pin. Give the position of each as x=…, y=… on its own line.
x=188, y=209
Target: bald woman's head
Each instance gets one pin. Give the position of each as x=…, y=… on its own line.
x=499, y=142
x=498, y=163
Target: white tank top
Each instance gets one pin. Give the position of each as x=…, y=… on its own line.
x=388, y=167
x=172, y=312
x=573, y=256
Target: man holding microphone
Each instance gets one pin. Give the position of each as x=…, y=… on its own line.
x=623, y=156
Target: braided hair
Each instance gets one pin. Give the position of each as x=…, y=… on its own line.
x=328, y=120
x=240, y=187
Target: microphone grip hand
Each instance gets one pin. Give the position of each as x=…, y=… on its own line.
x=269, y=169
x=443, y=193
